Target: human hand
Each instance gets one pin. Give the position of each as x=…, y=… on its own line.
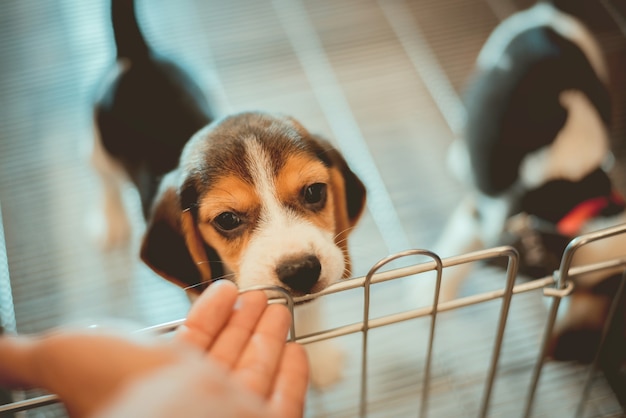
x=247, y=337
x=229, y=356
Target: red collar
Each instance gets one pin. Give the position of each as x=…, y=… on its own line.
x=573, y=221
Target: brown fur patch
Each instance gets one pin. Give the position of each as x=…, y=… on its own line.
x=343, y=224
x=228, y=194
x=298, y=172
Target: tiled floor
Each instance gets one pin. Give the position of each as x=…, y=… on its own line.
x=380, y=78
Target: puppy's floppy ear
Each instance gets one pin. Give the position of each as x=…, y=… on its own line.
x=349, y=193
x=350, y=200
x=172, y=245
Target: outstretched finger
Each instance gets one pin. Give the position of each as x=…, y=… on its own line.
x=233, y=339
x=261, y=358
x=289, y=392
x=208, y=315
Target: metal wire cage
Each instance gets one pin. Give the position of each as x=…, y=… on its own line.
x=589, y=395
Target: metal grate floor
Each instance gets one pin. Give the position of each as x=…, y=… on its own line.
x=381, y=78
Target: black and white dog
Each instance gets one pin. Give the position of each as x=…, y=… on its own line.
x=534, y=156
x=253, y=197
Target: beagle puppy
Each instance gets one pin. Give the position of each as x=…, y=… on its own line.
x=254, y=198
x=534, y=159
x=259, y=199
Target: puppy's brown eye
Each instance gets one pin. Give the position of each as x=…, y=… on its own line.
x=315, y=194
x=227, y=221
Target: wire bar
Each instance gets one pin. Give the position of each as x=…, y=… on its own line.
x=605, y=331
x=366, y=325
x=511, y=274
x=562, y=276
x=27, y=404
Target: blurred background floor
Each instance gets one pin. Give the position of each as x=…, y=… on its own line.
x=380, y=78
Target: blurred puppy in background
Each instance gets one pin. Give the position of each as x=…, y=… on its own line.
x=534, y=158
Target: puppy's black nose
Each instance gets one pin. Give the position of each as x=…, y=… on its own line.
x=300, y=273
